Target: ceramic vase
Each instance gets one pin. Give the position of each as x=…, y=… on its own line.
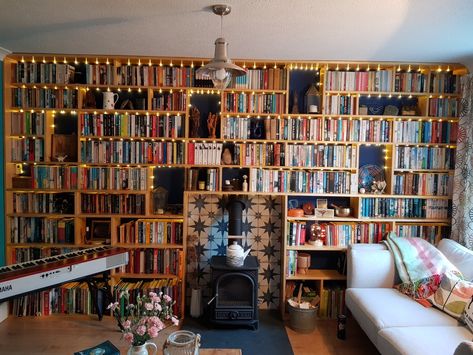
x=143, y=349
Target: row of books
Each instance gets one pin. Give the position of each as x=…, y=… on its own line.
x=144, y=75
x=332, y=302
x=343, y=234
x=404, y=208
x=163, y=126
x=110, y=178
x=410, y=82
x=54, y=177
x=171, y=287
x=132, y=152
x=254, y=103
x=27, y=149
x=340, y=80
x=425, y=132
x=211, y=180
x=155, y=261
x=113, y=204
x=43, y=73
x=44, y=98
x=339, y=234
x=356, y=130
x=431, y=233
x=261, y=79
x=28, y=202
x=69, y=298
x=294, y=155
x=432, y=184
x=21, y=255
x=292, y=128
x=340, y=105
x=143, y=231
x=41, y=230
x=444, y=82
x=29, y=123
x=200, y=153
x=99, y=74
x=444, y=107
x=408, y=157
x=262, y=180
x=169, y=101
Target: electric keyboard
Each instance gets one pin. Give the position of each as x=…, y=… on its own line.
x=37, y=274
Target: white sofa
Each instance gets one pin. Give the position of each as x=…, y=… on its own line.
x=395, y=323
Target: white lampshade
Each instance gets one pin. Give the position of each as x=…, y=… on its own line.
x=220, y=69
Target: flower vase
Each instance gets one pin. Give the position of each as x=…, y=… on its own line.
x=143, y=349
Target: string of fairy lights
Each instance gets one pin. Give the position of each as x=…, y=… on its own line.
x=310, y=66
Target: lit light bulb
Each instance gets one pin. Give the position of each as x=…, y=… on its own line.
x=221, y=74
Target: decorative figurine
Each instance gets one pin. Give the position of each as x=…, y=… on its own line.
x=212, y=124
x=194, y=122
x=245, y=183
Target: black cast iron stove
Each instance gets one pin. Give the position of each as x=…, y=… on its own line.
x=235, y=291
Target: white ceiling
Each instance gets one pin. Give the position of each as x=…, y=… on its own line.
x=357, y=30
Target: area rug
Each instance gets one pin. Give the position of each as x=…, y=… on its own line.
x=270, y=337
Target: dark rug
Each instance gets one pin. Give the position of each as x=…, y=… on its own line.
x=270, y=337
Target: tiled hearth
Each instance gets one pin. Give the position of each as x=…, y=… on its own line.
x=207, y=230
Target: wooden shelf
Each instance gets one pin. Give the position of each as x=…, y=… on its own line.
x=308, y=247
x=149, y=246
x=144, y=276
x=318, y=274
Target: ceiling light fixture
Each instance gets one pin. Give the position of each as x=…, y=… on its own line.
x=220, y=69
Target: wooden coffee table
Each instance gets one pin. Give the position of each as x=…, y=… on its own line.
x=220, y=351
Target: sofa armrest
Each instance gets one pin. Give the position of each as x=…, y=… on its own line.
x=370, y=266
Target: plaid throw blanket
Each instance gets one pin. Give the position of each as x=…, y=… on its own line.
x=416, y=259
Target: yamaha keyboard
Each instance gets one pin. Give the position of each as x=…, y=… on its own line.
x=38, y=274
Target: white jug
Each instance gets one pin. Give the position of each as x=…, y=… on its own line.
x=109, y=100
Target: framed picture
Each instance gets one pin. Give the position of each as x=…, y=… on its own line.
x=322, y=203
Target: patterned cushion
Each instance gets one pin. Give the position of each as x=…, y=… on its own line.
x=420, y=289
x=453, y=295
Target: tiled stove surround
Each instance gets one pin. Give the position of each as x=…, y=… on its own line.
x=207, y=231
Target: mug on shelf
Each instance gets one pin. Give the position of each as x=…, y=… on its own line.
x=109, y=100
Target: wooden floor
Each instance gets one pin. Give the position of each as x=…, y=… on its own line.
x=63, y=335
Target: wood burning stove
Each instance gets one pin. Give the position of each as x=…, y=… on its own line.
x=235, y=291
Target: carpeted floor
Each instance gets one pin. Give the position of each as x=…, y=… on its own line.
x=270, y=338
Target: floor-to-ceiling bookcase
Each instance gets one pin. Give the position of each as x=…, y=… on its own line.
x=78, y=174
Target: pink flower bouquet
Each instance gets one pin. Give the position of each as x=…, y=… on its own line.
x=144, y=320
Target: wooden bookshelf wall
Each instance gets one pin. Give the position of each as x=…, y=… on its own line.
x=114, y=155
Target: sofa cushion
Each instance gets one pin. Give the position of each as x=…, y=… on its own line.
x=361, y=273
x=421, y=340
x=379, y=308
x=459, y=256
x=453, y=295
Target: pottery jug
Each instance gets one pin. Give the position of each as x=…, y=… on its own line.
x=143, y=349
x=109, y=100
x=236, y=255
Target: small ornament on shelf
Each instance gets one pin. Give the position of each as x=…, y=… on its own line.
x=194, y=122
x=212, y=124
x=317, y=235
x=245, y=183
